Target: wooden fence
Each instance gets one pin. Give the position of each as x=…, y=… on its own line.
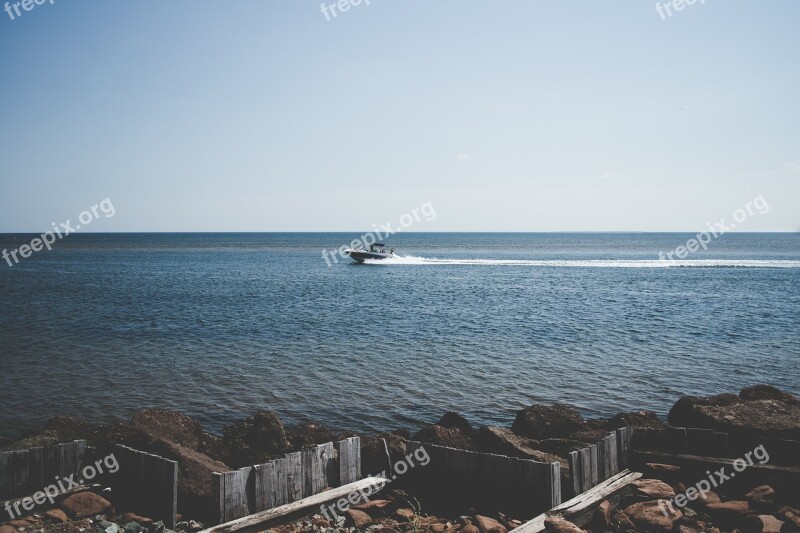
x=253, y=489
x=536, y=485
x=594, y=464
x=24, y=472
x=692, y=441
x=146, y=484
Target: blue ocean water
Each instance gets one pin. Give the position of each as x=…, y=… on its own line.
x=222, y=325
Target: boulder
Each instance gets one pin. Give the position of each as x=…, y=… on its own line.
x=373, y=452
x=56, y=515
x=622, y=521
x=548, y=421
x=469, y=529
x=708, y=497
x=131, y=517
x=556, y=524
x=767, y=417
x=761, y=524
x=654, y=488
x=178, y=428
x=503, y=441
x=728, y=513
x=255, y=440
x=8, y=529
x=767, y=392
x=404, y=515
x=375, y=505
x=68, y=428
x=451, y=437
x=634, y=419
x=85, y=505
x=308, y=434
x=489, y=525
x=651, y=516
x=358, y=519
x=761, y=496
x=454, y=420
x=662, y=471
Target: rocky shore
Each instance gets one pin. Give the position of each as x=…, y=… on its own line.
x=541, y=432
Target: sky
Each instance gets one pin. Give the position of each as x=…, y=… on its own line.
x=269, y=115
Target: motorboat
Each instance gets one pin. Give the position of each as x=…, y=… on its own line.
x=375, y=251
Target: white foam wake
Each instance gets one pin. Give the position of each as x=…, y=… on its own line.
x=592, y=263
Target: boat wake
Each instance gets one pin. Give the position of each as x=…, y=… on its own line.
x=592, y=263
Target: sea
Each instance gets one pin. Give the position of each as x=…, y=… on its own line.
x=222, y=325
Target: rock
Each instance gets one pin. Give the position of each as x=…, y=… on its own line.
x=469, y=529
x=20, y=523
x=7, y=529
x=547, y=421
x=307, y=434
x=761, y=496
x=318, y=521
x=404, y=514
x=437, y=528
x=761, y=524
x=635, y=419
x=358, y=519
x=85, y=504
x=651, y=516
x=489, y=525
x=67, y=428
x=503, y=441
x=178, y=428
x=658, y=469
x=57, y=515
x=708, y=497
x=373, y=504
x=556, y=524
x=443, y=436
x=131, y=517
x=727, y=512
x=194, y=525
x=602, y=516
x=734, y=415
x=654, y=488
x=792, y=518
x=454, y=420
x=110, y=527
x=767, y=392
x=255, y=440
x=132, y=527
x=373, y=453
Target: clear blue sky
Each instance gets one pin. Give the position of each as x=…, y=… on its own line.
x=508, y=116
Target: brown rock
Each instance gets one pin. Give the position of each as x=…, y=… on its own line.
x=727, y=511
x=20, y=523
x=307, y=434
x=178, y=428
x=654, y=488
x=761, y=495
x=635, y=419
x=438, y=528
x=767, y=392
x=650, y=516
x=470, y=529
x=489, y=525
x=373, y=505
x=318, y=521
x=556, y=524
x=373, y=451
x=358, y=519
x=404, y=514
x=761, y=524
x=548, y=421
x=451, y=437
x=255, y=440
x=85, y=504
x=132, y=517
x=708, y=497
x=505, y=442
x=792, y=518
x=455, y=420
x=7, y=529
x=602, y=516
x=57, y=515
x=665, y=472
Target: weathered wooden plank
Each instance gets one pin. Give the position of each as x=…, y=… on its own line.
x=721, y=445
x=676, y=440
x=700, y=441
x=35, y=470
x=555, y=484
x=218, y=497
x=4, y=476
x=263, y=520
x=586, y=469
x=169, y=492
x=624, y=436
x=294, y=476
x=601, y=460
x=236, y=493
x=80, y=454
x=50, y=467
x=349, y=451
x=19, y=472
x=595, y=473
x=613, y=457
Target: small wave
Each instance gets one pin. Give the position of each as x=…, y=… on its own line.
x=592, y=263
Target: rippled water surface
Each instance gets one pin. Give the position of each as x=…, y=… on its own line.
x=222, y=325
